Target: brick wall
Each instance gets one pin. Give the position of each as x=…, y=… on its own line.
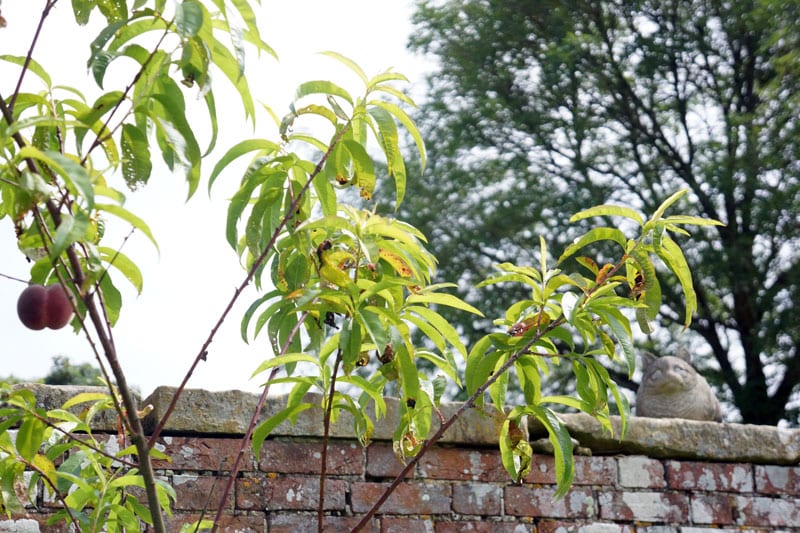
x=466, y=489
x=461, y=485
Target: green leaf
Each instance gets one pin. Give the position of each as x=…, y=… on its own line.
x=620, y=327
x=112, y=299
x=30, y=437
x=665, y=205
x=174, y=120
x=113, y=10
x=608, y=210
x=350, y=344
x=349, y=63
x=691, y=220
x=408, y=123
x=672, y=256
x=376, y=329
x=82, y=9
x=71, y=229
x=130, y=218
x=515, y=451
x=66, y=167
x=124, y=264
x=440, y=298
x=188, y=18
x=363, y=167
x=449, y=333
x=594, y=235
x=32, y=65
x=322, y=87
x=559, y=438
x=136, y=162
x=286, y=359
x=266, y=427
x=387, y=134
x=251, y=145
x=481, y=362
x=86, y=397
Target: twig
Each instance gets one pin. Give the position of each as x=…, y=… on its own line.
x=470, y=402
x=326, y=423
x=251, y=427
x=203, y=353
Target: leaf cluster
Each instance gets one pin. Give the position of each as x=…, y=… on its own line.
x=95, y=488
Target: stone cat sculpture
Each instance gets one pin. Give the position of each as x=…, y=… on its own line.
x=672, y=388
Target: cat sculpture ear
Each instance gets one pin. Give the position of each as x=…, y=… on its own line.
x=647, y=358
x=684, y=354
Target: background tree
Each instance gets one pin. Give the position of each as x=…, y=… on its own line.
x=63, y=372
x=538, y=108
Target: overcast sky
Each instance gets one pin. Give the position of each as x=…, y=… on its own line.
x=188, y=284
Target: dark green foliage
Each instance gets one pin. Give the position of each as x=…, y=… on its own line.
x=63, y=372
x=542, y=107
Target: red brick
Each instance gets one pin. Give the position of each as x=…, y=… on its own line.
x=472, y=526
x=298, y=457
x=772, y=479
x=762, y=511
x=714, y=509
x=714, y=477
x=405, y=525
x=307, y=523
x=641, y=472
x=229, y=523
x=541, y=502
x=296, y=493
x=211, y=454
x=564, y=526
x=644, y=506
x=477, y=498
x=199, y=492
x=588, y=470
x=382, y=461
x=408, y=498
x=462, y=464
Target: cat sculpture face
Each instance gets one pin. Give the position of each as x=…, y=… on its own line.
x=672, y=388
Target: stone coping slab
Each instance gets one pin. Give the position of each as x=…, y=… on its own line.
x=674, y=438
x=229, y=413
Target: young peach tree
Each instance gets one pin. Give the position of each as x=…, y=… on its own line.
x=345, y=293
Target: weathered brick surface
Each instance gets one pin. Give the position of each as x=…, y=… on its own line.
x=773, y=479
x=462, y=464
x=637, y=471
x=725, y=477
x=195, y=492
x=296, y=492
x=579, y=502
x=382, y=461
x=296, y=522
x=229, y=523
x=762, y=511
x=647, y=506
x=588, y=470
x=477, y=499
x=713, y=508
x=564, y=526
x=213, y=454
x=472, y=526
x=412, y=497
x=299, y=457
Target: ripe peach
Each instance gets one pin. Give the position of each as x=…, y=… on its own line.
x=31, y=307
x=39, y=307
x=58, y=307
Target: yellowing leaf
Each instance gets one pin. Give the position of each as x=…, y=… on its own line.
x=397, y=263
